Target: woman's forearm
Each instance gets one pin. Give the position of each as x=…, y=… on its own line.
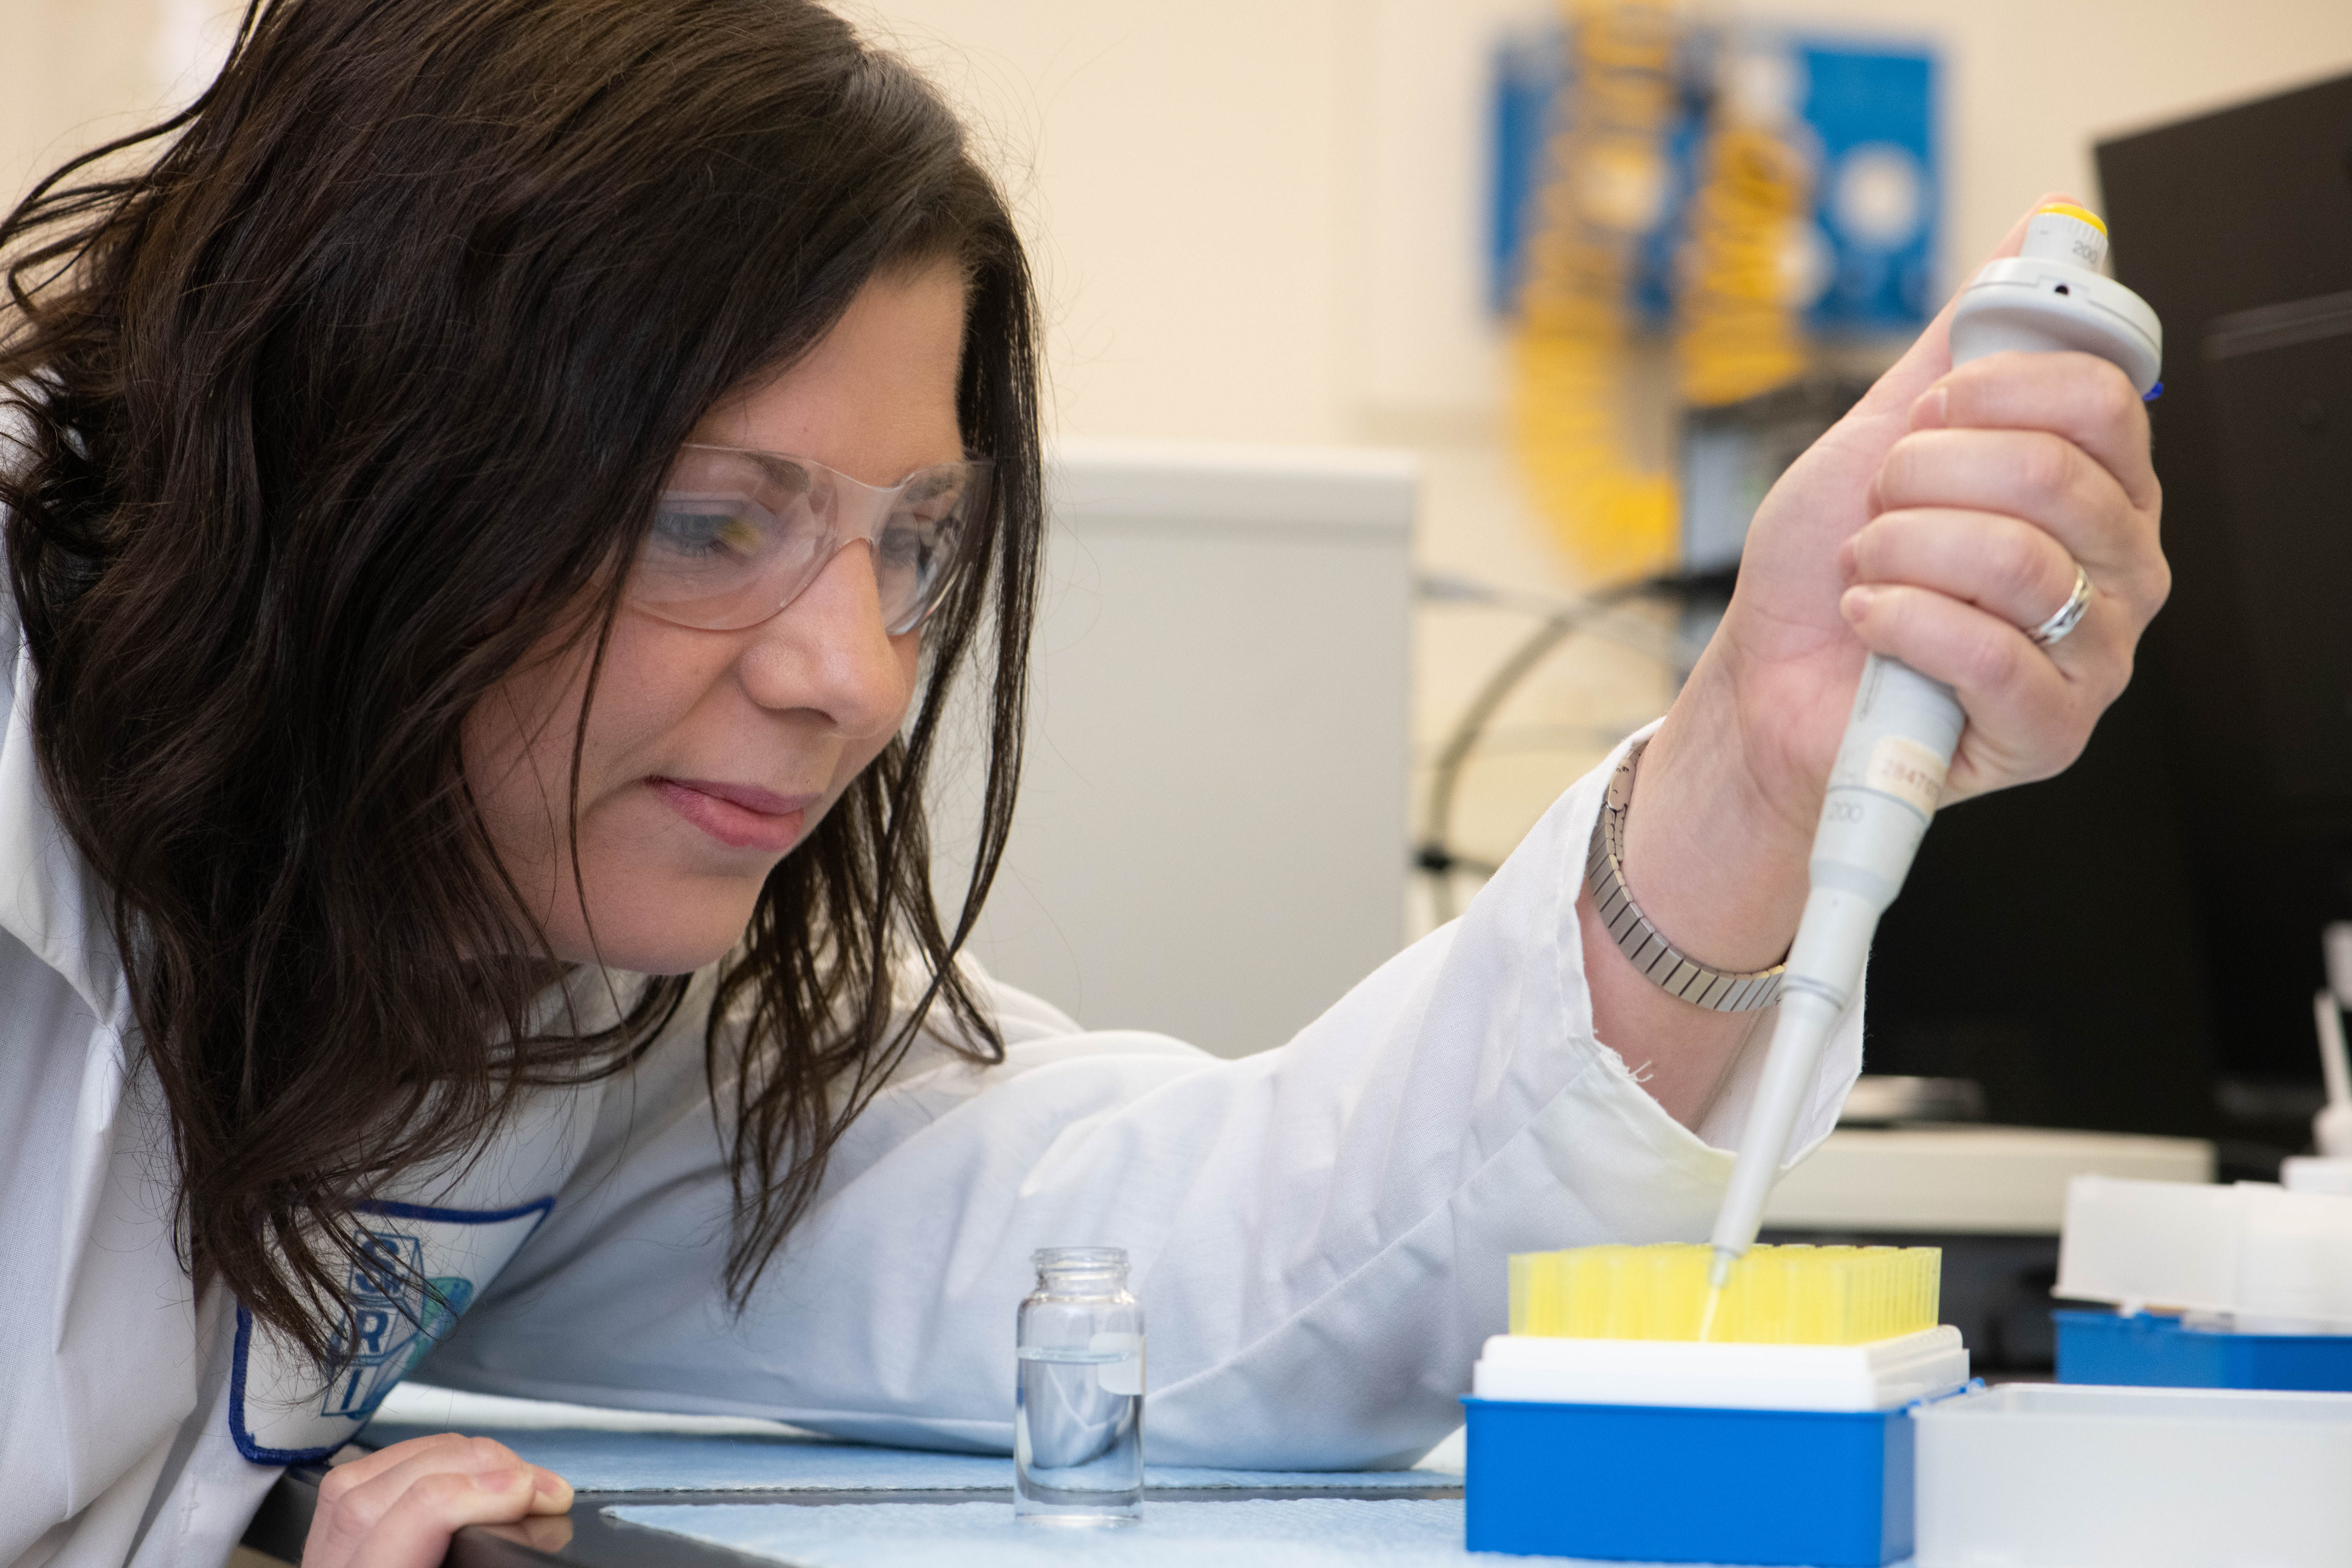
x=1719, y=871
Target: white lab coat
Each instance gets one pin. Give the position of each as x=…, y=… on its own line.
x=1317, y=1232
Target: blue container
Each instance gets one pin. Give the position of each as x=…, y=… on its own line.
x=2156, y=1352
x=1659, y=1484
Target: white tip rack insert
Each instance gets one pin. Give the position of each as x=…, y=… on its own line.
x=1886, y=1374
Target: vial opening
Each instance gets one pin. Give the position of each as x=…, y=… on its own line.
x=1077, y=1260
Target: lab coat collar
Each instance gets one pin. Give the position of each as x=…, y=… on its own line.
x=49, y=898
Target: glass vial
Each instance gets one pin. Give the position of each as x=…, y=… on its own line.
x=1077, y=1417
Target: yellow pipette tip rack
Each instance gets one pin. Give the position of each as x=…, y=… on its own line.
x=1775, y=1295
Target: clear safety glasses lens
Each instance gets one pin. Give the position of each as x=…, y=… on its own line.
x=738, y=535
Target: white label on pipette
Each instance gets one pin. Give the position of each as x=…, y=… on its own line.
x=1907, y=770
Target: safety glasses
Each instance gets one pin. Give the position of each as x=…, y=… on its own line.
x=739, y=534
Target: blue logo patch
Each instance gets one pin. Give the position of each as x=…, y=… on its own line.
x=397, y=1311
x=407, y=1286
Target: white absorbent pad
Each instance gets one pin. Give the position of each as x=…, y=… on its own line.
x=1318, y=1532
x=628, y=1451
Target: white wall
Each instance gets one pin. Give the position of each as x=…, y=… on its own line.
x=76, y=73
x=68, y=71
x=1181, y=169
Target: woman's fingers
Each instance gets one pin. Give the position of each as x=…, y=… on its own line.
x=414, y=1530
x=2044, y=479
x=2057, y=440
x=2029, y=717
x=2002, y=565
x=397, y=1507
x=346, y=1475
x=2079, y=397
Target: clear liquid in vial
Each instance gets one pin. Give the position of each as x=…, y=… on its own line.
x=1077, y=1434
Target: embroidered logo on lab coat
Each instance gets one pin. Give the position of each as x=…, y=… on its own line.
x=418, y=1269
x=397, y=1311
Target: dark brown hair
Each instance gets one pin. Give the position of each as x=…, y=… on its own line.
x=358, y=388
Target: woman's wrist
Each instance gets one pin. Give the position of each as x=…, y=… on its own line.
x=1716, y=864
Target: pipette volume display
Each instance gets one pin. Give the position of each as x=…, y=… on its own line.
x=1889, y=773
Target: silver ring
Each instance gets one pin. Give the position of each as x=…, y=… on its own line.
x=2069, y=616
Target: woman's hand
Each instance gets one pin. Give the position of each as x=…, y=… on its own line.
x=1935, y=523
x=397, y=1507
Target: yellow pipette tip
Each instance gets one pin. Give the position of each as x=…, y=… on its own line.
x=1771, y=1295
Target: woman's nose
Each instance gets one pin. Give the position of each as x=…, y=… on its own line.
x=827, y=651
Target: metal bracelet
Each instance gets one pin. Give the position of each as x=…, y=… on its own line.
x=1672, y=970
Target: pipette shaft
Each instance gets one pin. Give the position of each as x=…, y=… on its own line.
x=2327, y=1012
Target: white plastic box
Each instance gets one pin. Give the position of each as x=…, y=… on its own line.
x=2073, y=1476
x=2274, y=1261
x=2316, y=1173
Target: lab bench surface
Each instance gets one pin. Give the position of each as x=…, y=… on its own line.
x=590, y=1537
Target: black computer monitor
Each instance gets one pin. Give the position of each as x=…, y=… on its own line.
x=2133, y=946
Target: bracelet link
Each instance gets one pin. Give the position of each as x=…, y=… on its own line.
x=1667, y=967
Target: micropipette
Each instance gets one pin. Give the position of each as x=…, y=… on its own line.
x=1889, y=773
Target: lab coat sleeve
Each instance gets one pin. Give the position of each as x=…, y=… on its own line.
x=1318, y=1232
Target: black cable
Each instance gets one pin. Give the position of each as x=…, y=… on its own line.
x=1433, y=855
x=1446, y=772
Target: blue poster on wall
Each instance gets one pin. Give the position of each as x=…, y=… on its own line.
x=1861, y=114
x=1878, y=193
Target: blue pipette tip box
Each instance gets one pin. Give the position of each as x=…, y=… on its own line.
x=2156, y=1352
x=1831, y=1489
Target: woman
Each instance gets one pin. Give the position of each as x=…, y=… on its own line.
x=496, y=511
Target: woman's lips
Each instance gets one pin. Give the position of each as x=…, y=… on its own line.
x=741, y=816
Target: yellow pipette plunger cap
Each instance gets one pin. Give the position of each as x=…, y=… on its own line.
x=2060, y=231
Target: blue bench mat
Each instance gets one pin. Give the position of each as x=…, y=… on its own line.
x=599, y=1460
x=1318, y=1532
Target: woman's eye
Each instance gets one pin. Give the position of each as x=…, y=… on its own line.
x=906, y=546
x=935, y=499
x=705, y=533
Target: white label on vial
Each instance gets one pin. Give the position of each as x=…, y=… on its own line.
x=1907, y=770
x=1124, y=1376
